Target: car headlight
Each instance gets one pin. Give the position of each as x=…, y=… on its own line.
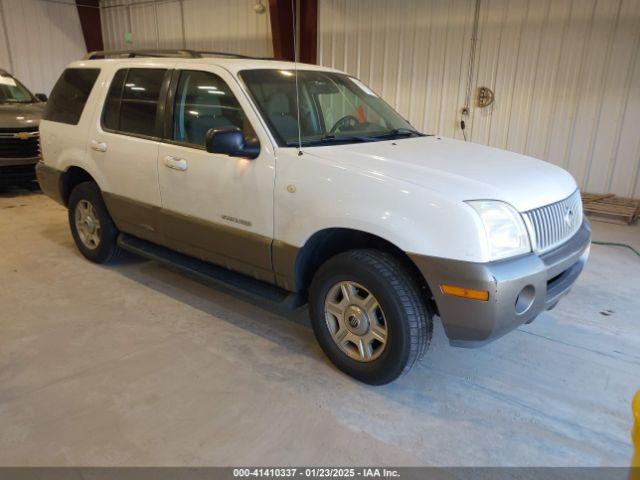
x=505, y=230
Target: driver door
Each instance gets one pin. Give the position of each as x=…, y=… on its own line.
x=215, y=207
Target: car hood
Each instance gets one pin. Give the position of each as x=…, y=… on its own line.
x=457, y=170
x=21, y=115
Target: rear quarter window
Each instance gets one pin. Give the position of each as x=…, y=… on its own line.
x=70, y=94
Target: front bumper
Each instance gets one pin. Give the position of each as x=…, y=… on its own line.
x=519, y=289
x=17, y=170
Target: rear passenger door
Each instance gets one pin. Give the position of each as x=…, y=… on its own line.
x=216, y=207
x=124, y=146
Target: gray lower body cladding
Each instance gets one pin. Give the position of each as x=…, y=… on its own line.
x=50, y=181
x=519, y=289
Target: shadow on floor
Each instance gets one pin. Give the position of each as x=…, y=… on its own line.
x=251, y=314
x=20, y=190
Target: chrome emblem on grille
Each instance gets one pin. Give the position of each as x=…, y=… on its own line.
x=568, y=217
x=24, y=135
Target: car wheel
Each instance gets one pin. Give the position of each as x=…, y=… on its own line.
x=369, y=315
x=91, y=225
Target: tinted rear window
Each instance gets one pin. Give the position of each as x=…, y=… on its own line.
x=70, y=94
x=132, y=101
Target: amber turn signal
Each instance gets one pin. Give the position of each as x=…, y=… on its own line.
x=455, y=291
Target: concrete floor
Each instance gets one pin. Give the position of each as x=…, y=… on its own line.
x=135, y=364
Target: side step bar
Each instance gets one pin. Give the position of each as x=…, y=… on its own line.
x=209, y=273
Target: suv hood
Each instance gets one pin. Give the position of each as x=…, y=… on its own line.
x=457, y=170
x=21, y=115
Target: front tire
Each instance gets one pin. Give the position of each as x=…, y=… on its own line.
x=91, y=225
x=369, y=315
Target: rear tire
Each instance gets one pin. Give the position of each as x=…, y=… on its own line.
x=369, y=315
x=91, y=225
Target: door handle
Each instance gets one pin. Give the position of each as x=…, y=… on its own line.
x=175, y=163
x=98, y=146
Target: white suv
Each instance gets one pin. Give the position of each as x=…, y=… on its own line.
x=205, y=162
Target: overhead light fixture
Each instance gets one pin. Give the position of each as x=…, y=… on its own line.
x=259, y=7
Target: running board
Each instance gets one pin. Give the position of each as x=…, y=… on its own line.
x=209, y=273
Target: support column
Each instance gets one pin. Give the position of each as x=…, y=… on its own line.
x=281, y=13
x=89, y=13
x=308, y=31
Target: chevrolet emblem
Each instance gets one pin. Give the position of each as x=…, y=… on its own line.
x=23, y=135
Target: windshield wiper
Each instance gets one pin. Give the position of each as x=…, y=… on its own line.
x=330, y=139
x=346, y=138
x=396, y=132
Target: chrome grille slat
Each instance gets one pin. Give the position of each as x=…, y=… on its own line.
x=548, y=225
x=557, y=227
x=553, y=225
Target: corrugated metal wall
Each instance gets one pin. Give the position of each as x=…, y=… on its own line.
x=38, y=39
x=222, y=25
x=566, y=74
x=413, y=53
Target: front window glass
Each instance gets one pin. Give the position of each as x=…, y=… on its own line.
x=12, y=91
x=204, y=101
x=334, y=108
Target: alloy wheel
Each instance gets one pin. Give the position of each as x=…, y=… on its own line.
x=355, y=321
x=87, y=224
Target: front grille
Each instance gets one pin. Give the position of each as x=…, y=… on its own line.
x=553, y=224
x=15, y=147
x=16, y=173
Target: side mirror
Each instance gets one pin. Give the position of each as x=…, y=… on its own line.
x=229, y=141
x=41, y=96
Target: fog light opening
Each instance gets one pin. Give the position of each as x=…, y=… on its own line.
x=525, y=299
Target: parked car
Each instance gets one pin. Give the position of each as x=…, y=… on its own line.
x=198, y=161
x=20, y=113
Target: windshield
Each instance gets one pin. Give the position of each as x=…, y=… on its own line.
x=334, y=108
x=12, y=91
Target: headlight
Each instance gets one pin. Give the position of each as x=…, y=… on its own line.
x=504, y=228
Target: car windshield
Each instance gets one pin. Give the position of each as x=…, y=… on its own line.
x=334, y=108
x=12, y=91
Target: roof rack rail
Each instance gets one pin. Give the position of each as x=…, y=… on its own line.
x=141, y=53
x=232, y=55
x=181, y=53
